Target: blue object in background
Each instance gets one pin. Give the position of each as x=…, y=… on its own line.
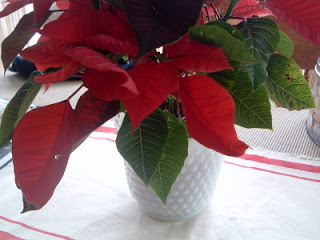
x=126, y=65
x=22, y=66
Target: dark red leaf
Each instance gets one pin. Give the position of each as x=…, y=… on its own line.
x=14, y=6
x=154, y=82
x=209, y=111
x=249, y=8
x=302, y=16
x=41, y=8
x=106, y=42
x=20, y=36
x=63, y=4
x=78, y=27
x=157, y=23
x=79, y=6
x=42, y=143
x=242, y=3
x=71, y=29
x=48, y=53
x=194, y=56
x=177, y=48
x=200, y=57
x=110, y=85
x=91, y=112
x=94, y=60
x=60, y=75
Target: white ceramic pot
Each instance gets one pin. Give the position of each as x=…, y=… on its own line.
x=191, y=192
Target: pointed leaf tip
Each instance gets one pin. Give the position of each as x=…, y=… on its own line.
x=173, y=157
x=27, y=206
x=42, y=143
x=209, y=111
x=144, y=148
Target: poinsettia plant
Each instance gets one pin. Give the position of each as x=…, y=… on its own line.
x=196, y=69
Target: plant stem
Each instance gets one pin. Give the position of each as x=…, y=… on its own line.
x=207, y=12
x=232, y=5
x=240, y=18
x=178, y=105
x=216, y=11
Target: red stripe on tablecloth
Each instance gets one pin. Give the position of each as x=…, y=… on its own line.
x=8, y=236
x=106, y=129
x=250, y=157
x=101, y=138
x=282, y=163
x=35, y=229
x=274, y=172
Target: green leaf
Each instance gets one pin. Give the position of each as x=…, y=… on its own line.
x=144, y=148
x=262, y=37
x=286, y=85
x=285, y=46
x=257, y=73
x=253, y=108
x=17, y=107
x=215, y=35
x=229, y=28
x=172, y=159
x=227, y=78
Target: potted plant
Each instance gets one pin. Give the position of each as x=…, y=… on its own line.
x=197, y=70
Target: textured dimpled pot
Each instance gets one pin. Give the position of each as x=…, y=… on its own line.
x=191, y=192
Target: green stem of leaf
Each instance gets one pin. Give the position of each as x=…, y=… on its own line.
x=216, y=12
x=178, y=105
x=207, y=14
x=232, y=5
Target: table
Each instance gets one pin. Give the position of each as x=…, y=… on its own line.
x=273, y=197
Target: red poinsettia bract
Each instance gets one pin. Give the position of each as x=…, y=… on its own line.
x=244, y=8
x=209, y=111
x=202, y=98
x=80, y=26
x=155, y=81
x=249, y=8
x=302, y=16
x=82, y=40
x=74, y=41
x=41, y=8
x=44, y=139
x=39, y=159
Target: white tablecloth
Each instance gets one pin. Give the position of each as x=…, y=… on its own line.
x=258, y=199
